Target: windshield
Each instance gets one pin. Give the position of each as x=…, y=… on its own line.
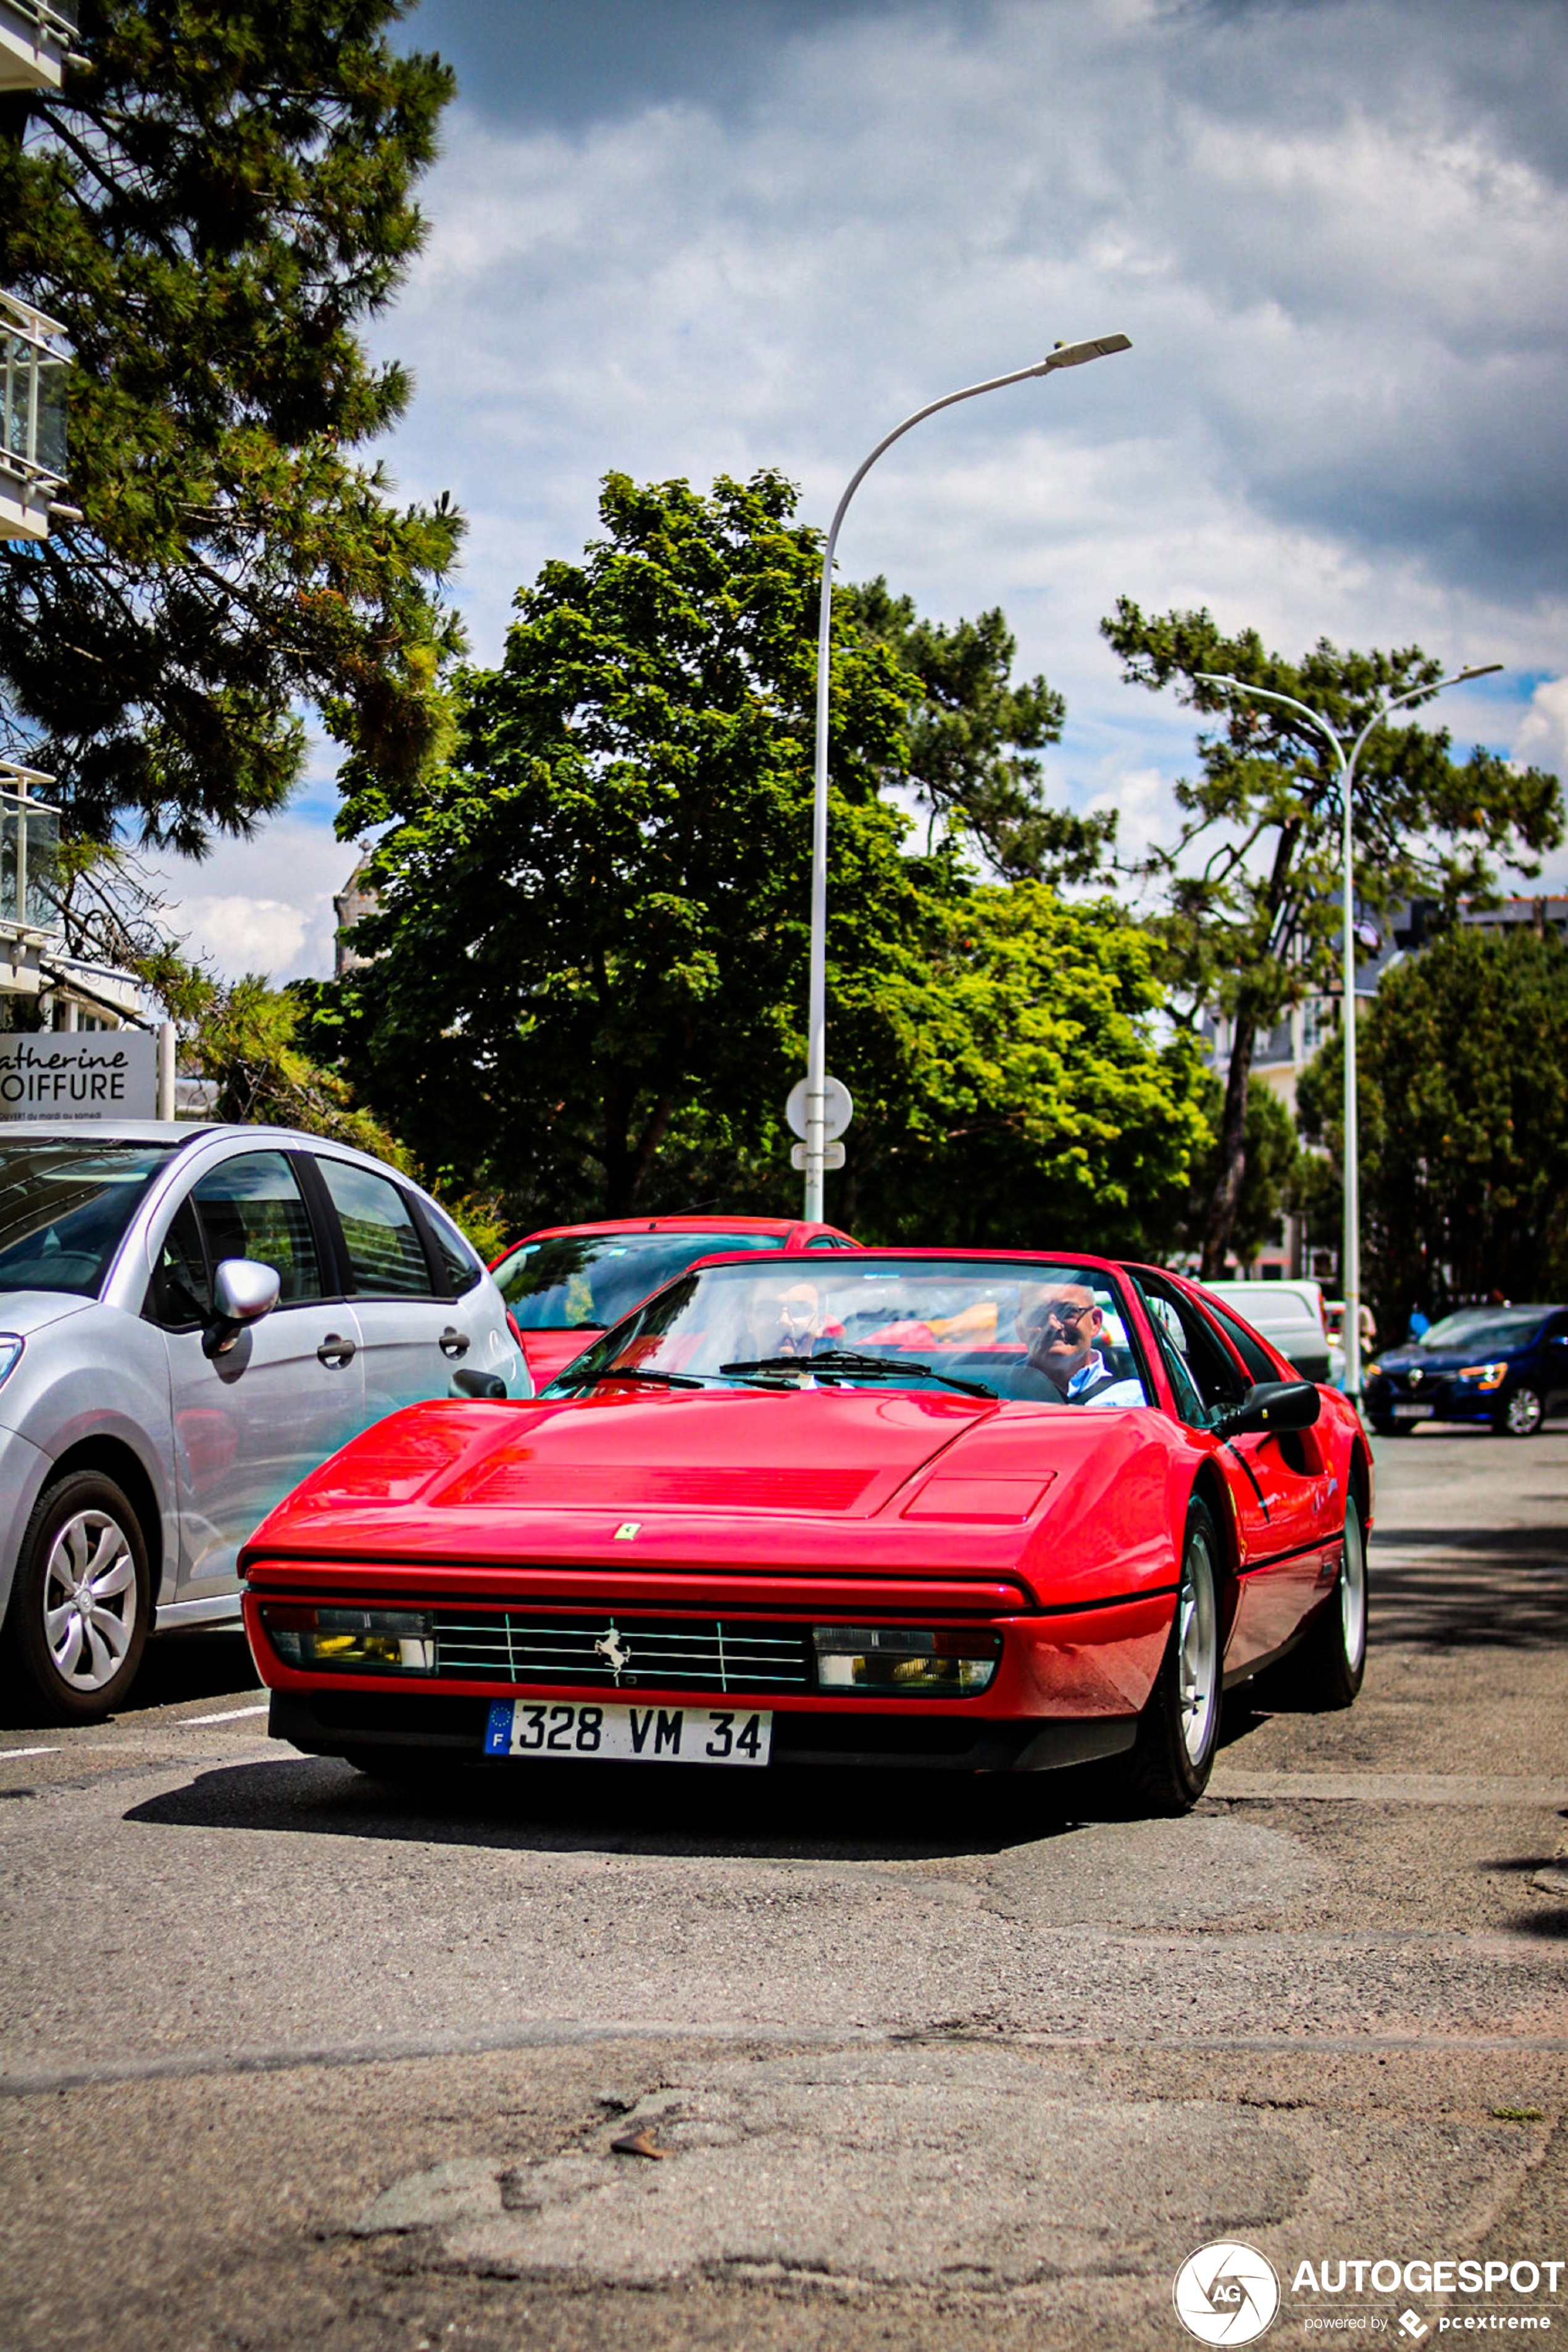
x=1052, y=1333
x=583, y=1282
x=64, y=1208
x=1485, y=1330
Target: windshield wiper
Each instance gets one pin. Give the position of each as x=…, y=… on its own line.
x=845, y=1363
x=631, y=1372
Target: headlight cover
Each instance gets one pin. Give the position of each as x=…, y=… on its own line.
x=352, y=1641
x=11, y=1345
x=905, y=1662
x=1485, y=1376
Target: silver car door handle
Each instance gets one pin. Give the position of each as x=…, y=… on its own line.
x=335, y=1352
x=453, y=1342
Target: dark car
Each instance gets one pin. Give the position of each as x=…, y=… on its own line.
x=1507, y=1366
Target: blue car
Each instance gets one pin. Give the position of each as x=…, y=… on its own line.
x=1506, y=1365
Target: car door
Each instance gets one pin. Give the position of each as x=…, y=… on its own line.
x=414, y=1338
x=249, y=1423
x=1279, y=1481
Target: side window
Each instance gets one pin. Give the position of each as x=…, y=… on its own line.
x=385, y=1255
x=252, y=1207
x=459, y=1262
x=1201, y=1374
x=180, y=1294
x=1260, y=1365
x=823, y=1241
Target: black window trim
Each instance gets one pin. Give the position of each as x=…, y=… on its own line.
x=424, y=1226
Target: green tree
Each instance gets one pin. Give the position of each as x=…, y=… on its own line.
x=217, y=202
x=1252, y=906
x=1462, y=1094
x=1270, y=1187
x=587, y=976
x=970, y=735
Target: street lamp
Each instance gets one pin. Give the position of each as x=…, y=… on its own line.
x=1347, y=767
x=1065, y=355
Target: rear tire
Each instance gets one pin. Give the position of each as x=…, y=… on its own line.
x=77, y=1624
x=1178, y=1730
x=1326, y=1669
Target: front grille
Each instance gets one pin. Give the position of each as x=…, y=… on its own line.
x=687, y=1653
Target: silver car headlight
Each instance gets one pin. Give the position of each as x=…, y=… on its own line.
x=11, y=1345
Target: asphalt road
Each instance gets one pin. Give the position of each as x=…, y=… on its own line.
x=291, y=2060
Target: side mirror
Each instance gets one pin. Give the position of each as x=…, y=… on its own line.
x=485, y=1385
x=1270, y=1405
x=243, y=1292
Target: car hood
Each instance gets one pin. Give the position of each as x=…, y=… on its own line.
x=27, y=1311
x=818, y=1453
x=1444, y=1360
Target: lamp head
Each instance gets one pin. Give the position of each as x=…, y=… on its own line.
x=1067, y=355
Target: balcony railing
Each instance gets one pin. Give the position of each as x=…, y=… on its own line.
x=32, y=418
x=29, y=854
x=36, y=37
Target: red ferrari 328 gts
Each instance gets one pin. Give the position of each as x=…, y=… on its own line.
x=982, y=1510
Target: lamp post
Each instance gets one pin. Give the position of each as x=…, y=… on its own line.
x=1346, y=763
x=1065, y=355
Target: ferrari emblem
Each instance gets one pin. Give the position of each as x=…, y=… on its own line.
x=628, y=1531
x=613, y=1652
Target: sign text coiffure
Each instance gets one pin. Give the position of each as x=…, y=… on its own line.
x=79, y=1074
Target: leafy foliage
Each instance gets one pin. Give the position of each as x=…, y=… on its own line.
x=217, y=201
x=970, y=732
x=1271, y=1185
x=587, y=979
x=1462, y=1094
x=1251, y=885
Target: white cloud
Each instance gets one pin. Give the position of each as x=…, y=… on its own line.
x=1543, y=740
x=262, y=906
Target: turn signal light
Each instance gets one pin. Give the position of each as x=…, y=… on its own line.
x=1485, y=1376
x=355, y=1641
x=903, y=1661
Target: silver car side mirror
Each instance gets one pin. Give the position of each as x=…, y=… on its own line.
x=243, y=1292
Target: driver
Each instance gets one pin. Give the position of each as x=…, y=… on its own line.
x=1061, y=1328
x=787, y=1322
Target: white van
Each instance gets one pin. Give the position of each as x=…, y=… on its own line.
x=1289, y=1314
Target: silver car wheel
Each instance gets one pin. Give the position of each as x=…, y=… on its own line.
x=1197, y=1650
x=1523, y=1413
x=90, y=1601
x=1353, y=1593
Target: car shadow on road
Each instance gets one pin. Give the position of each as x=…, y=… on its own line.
x=177, y=1668
x=1508, y=1591
x=807, y=1815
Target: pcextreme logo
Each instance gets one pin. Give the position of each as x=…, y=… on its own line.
x=1226, y=2294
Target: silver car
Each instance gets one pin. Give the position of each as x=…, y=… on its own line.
x=191, y=1318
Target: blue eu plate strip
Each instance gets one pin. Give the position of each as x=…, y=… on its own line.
x=497, y=1730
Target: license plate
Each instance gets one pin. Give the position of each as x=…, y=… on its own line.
x=1414, y=1412
x=648, y=1734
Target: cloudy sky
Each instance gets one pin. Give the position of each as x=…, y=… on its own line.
x=685, y=236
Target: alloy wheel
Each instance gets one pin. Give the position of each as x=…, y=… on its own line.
x=89, y=1598
x=1353, y=1593
x=1523, y=1413
x=1197, y=1647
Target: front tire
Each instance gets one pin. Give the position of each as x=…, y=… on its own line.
x=77, y=1624
x=1178, y=1730
x=1326, y=1669
x=1522, y=1415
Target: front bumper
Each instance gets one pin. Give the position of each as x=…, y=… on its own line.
x=1069, y=1686
x=334, y=1722
x=1445, y=1399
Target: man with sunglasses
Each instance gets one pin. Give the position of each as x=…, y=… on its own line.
x=1061, y=1328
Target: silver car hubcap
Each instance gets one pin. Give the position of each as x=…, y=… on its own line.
x=1524, y=1413
x=90, y=1601
x=1197, y=1649
x=1352, y=1594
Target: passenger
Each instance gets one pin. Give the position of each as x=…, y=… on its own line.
x=1061, y=1326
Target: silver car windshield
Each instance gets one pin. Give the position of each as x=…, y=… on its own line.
x=64, y=1208
x=1053, y=1334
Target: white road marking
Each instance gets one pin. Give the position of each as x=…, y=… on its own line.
x=26, y=1751
x=230, y=1715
